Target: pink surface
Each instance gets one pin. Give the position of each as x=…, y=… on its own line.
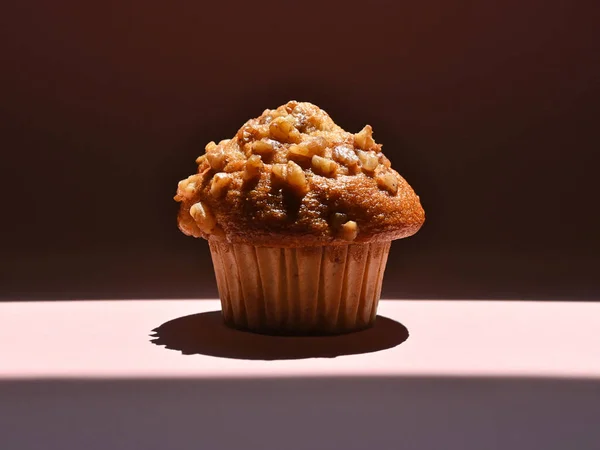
x=111, y=339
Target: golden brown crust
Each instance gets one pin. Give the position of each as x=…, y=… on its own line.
x=292, y=177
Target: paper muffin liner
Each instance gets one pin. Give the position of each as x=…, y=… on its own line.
x=307, y=290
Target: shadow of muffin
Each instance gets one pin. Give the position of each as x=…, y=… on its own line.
x=207, y=334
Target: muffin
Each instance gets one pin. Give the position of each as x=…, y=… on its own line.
x=299, y=216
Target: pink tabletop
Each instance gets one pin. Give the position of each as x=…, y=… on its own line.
x=112, y=339
x=430, y=375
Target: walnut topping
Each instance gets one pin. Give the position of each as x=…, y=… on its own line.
x=299, y=153
x=324, y=166
x=388, y=181
x=283, y=130
x=253, y=167
x=210, y=146
x=338, y=219
x=205, y=219
x=263, y=148
x=187, y=188
x=219, y=184
x=316, y=145
x=279, y=173
x=289, y=106
x=303, y=153
x=295, y=178
x=344, y=228
x=364, y=139
x=216, y=158
x=235, y=166
x=296, y=149
x=349, y=230
x=290, y=175
x=250, y=132
x=190, y=189
x=281, y=111
x=315, y=123
x=368, y=160
x=345, y=156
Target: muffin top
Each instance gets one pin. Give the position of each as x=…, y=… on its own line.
x=292, y=177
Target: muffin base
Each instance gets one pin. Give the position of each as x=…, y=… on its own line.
x=308, y=290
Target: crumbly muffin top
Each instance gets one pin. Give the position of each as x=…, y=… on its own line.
x=292, y=177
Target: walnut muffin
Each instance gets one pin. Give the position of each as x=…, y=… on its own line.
x=299, y=215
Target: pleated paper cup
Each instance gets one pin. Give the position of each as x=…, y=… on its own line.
x=308, y=290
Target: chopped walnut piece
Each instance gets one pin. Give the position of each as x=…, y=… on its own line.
x=263, y=148
x=324, y=166
x=250, y=132
x=337, y=220
x=281, y=111
x=217, y=159
x=200, y=159
x=368, y=160
x=235, y=166
x=188, y=187
x=388, y=181
x=303, y=153
x=344, y=228
x=290, y=106
x=210, y=146
x=314, y=122
x=253, y=167
x=219, y=184
x=283, y=130
x=290, y=175
x=295, y=178
x=349, y=230
x=345, y=156
x=205, y=219
x=299, y=153
x=364, y=139
x=317, y=145
x=279, y=173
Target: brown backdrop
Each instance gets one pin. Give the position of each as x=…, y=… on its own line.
x=488, y=108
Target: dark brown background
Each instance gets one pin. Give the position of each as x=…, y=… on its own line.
x=490, y=109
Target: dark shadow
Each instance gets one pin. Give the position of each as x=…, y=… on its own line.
x=303, y=412
x=206, y=334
